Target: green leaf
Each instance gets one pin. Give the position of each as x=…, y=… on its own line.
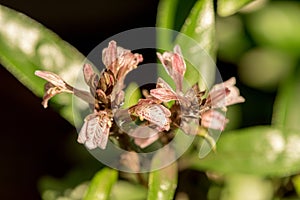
x=296, y=183
x=166, y=13
x=198, y=43
x=132, y=95
x=101, y=184
x=277, y=26
x=260, y=150
x=163, y=182
x=26, y=46
x=131, y=191
x=286, y=108
x=229, y=7
x=200, y=26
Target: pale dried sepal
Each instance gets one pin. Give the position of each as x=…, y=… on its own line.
x=131, y=160
x=179, y=68
x=126, y=63
x=224, y=94
x=145, y=142
x=144, y=136
x=154, y=113
x=163, y=94
x=54, y=86
x=163, y=91
x=109, y=56
x=90, y=77
x=54, y=79
x=95, y=131
x=180, y=65
x=57, y=85
x=175, y=66
x=118, y=95
x=120, y=61
x=214, y=120
x=50, y=91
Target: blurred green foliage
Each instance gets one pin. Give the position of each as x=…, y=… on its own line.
x=26, y=46
x=261, y=41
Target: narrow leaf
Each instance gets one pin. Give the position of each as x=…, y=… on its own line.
x=132, y=95
x=166, y=12
x=101, y=184
x=261, y=150
x=296, y=183
x=229, y=7
x=27, y=46
x=200, y=25
x=198, y=43
x=131, y=191
x=286, y=108
x=163, y=182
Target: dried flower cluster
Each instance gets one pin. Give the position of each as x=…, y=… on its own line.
x=190, y=110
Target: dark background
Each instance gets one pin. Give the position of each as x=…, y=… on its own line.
x=33, y=140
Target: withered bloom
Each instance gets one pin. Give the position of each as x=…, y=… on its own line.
x=193, y=104
x=174, y=64
x=105, y=90
x=192, y=108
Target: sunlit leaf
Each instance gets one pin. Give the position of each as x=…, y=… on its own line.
x=200, y=26
x=132, y=95
x=261, y=150
x=101, y=184
x=131, y=191
x=26, y=46
x=162, y=182
x=286, y=109
x=229, y=7
x=166, y=12
x=198, y=35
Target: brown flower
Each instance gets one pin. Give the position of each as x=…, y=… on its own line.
x=57, y=85
x=155, y=113
x=95, y=130
x=105, y=89
x=120, y=61
x=193, y=105
x=174, y=64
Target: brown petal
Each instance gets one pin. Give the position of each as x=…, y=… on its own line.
x=50, y=91
x=109, y=56
x=95, y=131
x=174, y=65
x=53, y=78
x=163, y=94
x=165, y=60
x=179, y=64
x=131, y=160
x=154, y=113
x=224, y=94
x=90, y=77
x=126, y=63
x=214, y=120
x=179, y=68
x=144, y=142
